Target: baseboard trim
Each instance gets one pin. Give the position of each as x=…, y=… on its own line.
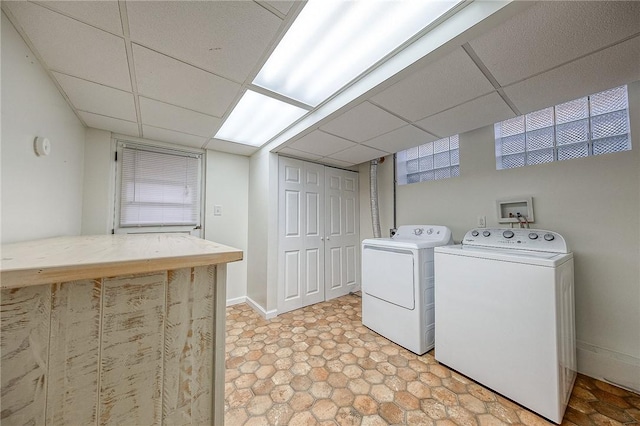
x=264, y=313
x=236, y=300
x=604, y=364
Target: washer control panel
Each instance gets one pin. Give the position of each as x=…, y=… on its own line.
x=517, y=238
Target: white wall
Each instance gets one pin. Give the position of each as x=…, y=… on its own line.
x=227, y=185
x=263, y=226
x=41, y=196
x=99, y=182
x=594, y=202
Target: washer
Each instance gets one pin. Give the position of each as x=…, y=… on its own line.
x=505, y=315
x=397, y=285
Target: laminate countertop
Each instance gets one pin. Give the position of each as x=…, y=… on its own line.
x=65, y=259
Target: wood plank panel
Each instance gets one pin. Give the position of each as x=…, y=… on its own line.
x=177, y=392
x=188, y=349
x=75, y=353
x=204, y=279
x=24, y=345
x=132, y=341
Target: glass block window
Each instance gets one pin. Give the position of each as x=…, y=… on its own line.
x=432, y=161
x=593, y=125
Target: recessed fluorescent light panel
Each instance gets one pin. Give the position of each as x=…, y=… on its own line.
x=332, y=42
x=258, y=118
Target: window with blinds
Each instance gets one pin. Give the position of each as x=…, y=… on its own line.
x=432, y=161
x=159, y=187
x=593, y=125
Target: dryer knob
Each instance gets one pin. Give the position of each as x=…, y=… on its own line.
x=507, y=234
x=533, y=236
x=475, y=233
x=549, y=237
x=486, y=233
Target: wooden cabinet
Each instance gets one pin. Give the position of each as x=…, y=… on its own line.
x=144, y=348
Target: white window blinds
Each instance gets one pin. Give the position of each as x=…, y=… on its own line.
x=593, y=125
x=159, y=188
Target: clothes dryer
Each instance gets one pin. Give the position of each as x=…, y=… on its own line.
x=397, y=285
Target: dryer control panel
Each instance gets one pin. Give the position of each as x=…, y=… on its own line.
x=423, y=232
x=517, y=239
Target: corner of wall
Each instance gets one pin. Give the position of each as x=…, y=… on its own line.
x=99, y=181
x=613, y=367
x=257, y=241
x=227, y=185
x=41, y=195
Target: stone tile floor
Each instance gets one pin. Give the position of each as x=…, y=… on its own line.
x=320, y=366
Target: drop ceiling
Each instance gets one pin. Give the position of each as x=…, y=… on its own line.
x=172, y=71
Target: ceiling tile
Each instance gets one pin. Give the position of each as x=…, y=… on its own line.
x=93, y=97
x=553, y=32
x=400, y=139
x=231, y=147
x=102, y=14
x=486, y=110
x=164, y=135
x=175, y=82
x=111, y=124
x=363, y=122
x=451, y=81
x=320, y=143
x=358, y=154
x=224, y=37
x=606, y=69
x=72, y=47
x=299, y=154
x=338, y=163
x=171, y=117
x=281, y=6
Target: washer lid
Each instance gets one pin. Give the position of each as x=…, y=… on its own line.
x=529, y=257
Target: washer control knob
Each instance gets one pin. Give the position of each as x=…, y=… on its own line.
x=549, y=237
x=429, y=231
x=486, y=233
x=475, y=233
x=533, y=236
x=507, y=234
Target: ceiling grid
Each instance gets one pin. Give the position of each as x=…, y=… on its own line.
x=184, y=80
x=132, y=72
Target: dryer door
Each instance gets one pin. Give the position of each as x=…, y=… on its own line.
x=388, y=274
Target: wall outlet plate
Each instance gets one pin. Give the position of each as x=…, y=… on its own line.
x=482, y=221
x=217, y=210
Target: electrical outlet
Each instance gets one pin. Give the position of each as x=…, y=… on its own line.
x=217, y=210
x=482, y=221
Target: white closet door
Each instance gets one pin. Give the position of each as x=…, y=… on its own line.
x=342, y=242
x=301, y=229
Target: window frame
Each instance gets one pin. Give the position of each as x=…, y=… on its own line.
x=195, y=230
